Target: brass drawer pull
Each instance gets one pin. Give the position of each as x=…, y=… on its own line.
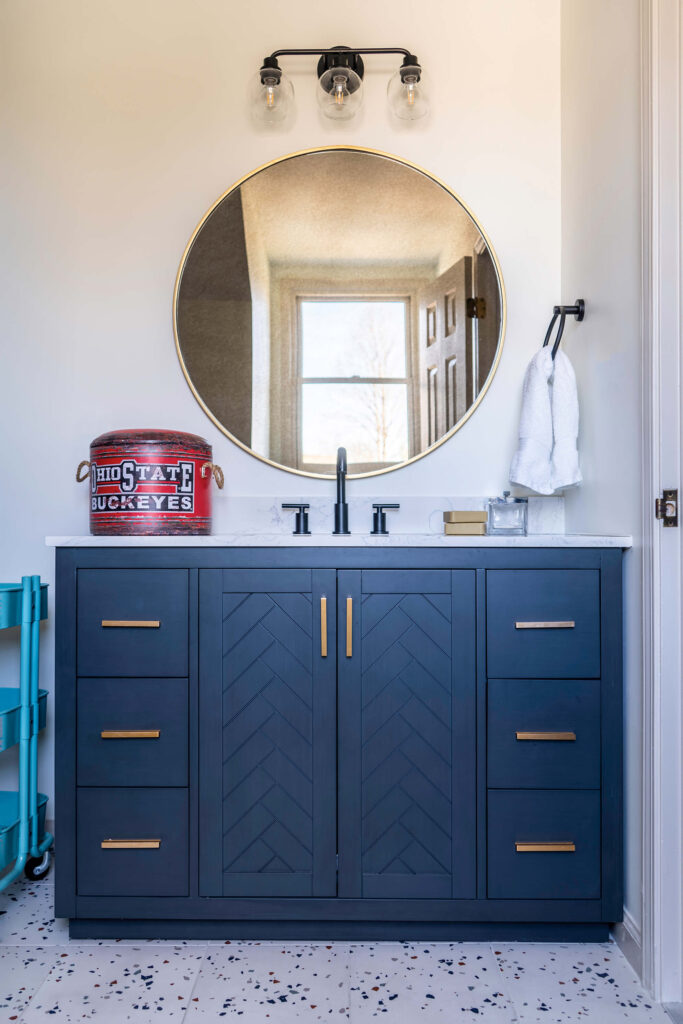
x=559, y=736
x=135, y=624
x=569, y=624
x=349, y=627
x=131, y=623
x=130, y=844
x=130, y=734
x=323, y=627
x=564, y=847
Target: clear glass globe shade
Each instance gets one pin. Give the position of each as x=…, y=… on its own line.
x=340, y=93
x=408, y=93
x=271, y=99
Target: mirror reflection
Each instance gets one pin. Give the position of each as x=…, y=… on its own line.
x=338, y=297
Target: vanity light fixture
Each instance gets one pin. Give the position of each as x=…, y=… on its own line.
x=340, y=85
x=271, y=94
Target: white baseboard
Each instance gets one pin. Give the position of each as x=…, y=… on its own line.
x=626, y=934
x=675, y=1011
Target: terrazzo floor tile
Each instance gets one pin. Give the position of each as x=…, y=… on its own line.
x=112, y=980
x=22, y=972
x=27, y=916
x=271, y=982
x=115, y=984
x=439, y=981
x=574, y=982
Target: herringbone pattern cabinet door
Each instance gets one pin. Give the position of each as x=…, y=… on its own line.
x=274, y=758
x=406, y=703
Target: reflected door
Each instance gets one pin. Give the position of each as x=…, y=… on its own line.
x=487, y=323
x=446, y=353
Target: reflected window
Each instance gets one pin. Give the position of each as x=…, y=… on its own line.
x=354, y=381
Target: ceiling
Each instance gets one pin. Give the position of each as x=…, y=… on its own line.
x=353, y=206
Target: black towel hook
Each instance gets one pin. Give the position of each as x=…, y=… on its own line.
x=578, y=311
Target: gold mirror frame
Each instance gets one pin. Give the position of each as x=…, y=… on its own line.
x=503, y=308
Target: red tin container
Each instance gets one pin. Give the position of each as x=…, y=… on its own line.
x=149, y=483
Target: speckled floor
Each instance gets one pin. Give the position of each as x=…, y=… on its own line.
x=45, y=976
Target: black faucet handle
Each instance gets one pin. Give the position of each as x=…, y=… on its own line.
x=379, y=518
x=301, y=517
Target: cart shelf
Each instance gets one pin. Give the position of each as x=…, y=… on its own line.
x=10, y=715
x=10, y=821
x=10, y=604
x=24, y=843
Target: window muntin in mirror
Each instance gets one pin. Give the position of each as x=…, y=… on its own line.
x=354, y=388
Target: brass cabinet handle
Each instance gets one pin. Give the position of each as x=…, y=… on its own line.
x=568, y=736
x=323, y=627
x=130, y=734
x=568, y=624
x=131, y=623
x=349, y=627
x=557, y=847
x=130, y=844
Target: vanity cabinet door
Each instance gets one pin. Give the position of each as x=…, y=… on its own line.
x=267, y=732
x=406, y=697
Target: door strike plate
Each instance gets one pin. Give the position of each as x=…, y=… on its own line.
x=666, y=508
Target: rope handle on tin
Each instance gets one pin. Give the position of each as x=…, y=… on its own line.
x=216, y=472
x=85, y=476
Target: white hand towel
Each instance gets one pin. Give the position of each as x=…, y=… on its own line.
x=531, y=465
x=565, y=412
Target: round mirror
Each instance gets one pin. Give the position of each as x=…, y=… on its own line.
x=339, y=297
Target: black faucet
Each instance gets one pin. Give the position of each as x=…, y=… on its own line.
x=341, y=509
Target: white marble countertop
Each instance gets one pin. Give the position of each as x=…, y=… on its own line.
x=316, y=540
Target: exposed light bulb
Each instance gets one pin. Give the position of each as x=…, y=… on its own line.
x=272, y=95
x=270, y=86
x=408, y=92
x=340, y=93
x=409, y=82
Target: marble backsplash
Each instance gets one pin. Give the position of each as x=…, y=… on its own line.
x=419, y=515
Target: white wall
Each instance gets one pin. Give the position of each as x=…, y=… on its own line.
x=601, y=263
x=125, y=119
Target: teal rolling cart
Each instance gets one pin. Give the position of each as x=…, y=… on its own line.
x=24, y=843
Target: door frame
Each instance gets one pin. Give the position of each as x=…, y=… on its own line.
x=662, y=911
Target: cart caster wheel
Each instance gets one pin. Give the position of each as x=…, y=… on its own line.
x=37, y=867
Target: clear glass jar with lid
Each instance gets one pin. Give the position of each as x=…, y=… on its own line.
x=507, y=516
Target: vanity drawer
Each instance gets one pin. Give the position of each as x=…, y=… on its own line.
x=543, y=623
x=132, y=622
x=132, y=732
x=543, y=733
x=145, y=832
x=543, y=844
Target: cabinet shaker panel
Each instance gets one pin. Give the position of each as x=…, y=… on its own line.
x=267, y=733
x=407, y=734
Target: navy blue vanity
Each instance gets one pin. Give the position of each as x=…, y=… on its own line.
x=339, y=742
